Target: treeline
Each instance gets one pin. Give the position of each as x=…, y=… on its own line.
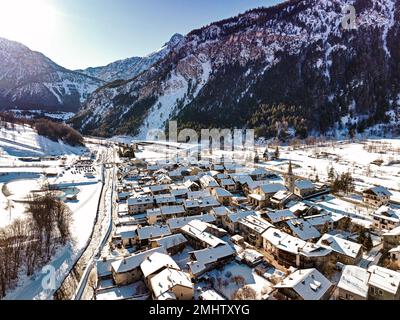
x=275, y=121
x=55, y=131
x=26, y=245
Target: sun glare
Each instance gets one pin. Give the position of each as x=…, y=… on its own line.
x=31, y=22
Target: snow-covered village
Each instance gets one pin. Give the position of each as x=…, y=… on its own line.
x=318, y=220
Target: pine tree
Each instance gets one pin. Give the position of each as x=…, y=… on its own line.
x=276, y=154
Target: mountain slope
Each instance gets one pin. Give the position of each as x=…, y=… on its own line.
x=30, y=80
x=131, y=67
x=288, y=66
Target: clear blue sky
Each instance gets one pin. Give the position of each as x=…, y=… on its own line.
x=83, y=33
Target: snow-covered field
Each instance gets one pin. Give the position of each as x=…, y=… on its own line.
x=19, y=178
x=355, y=157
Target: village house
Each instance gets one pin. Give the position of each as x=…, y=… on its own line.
x=223, y=196
x=384, y=284
x=173, y=244
x=302, y=229
x=346, y=251
x=394, y=254
x=159, y=189
x=155, y=263
x=175, y=224
x=262, y=194
x=192, y=206
x=241, y=181
x=219, y=213
x=353, y=284
x=303, y=188
x=164, y=213
x=251, y=229
x=207, y=259
x=280, y=199
x=228, y=184
x=231, y=222
x=127, y=270
x=146, y=234
x=171, y=284
x=386, y=218
x=292, y=251
x=306, y=284
x=126, y=235
x=164, y=200
x=391, y=239
x=377, y=196
x=280, y=217
x=208, y=182
x=140, y=204
x=199, y=236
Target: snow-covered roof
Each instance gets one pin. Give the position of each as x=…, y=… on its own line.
x=196, y=229
x=251, y=255
x=272, y=188
x=242, y=179
x=393, y=232
x=388, y=213
x=281, y=195
x=235, y=217
x=156, y=262
x=340, y=245
x=208, y=202
x=380, y=191
x=288, y=243
x=208, y=181
x=163, y=282
x=140, y=200
x=304, y=184
x=171, y=241
x=152, y=232
x=160, y=187
x=207, y=256
x=164, y=198
x=227, y=182
x=309, y=284
x=132, y=262
x=211, y=294
x=354, y=279
x=170, y=210
x=280, y=215
x=221, y=211
x=179, y=191
x=176, y=223
x=103, y=267
x=199, y=194
x=220, y=192
x=299, y=206
x=255, y=223
x=395, y=250
x=385, y=279
x=303, y=229
x=126, y=232
x=319, y=219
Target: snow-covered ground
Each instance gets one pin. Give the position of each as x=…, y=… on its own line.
x=355, y=157
x=19, y=178
x=23, y=141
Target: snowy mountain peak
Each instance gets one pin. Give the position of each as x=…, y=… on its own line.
x=231, y=72
x=131, y=67
x=30, y=80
